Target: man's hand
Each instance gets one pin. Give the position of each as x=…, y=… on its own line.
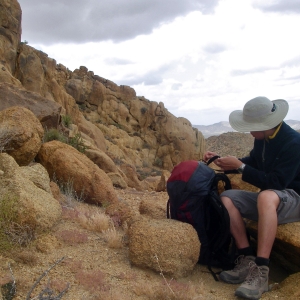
x=208, y=155
x=228, y=163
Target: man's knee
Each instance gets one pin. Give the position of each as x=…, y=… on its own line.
x=267, y=199
x=227, y=202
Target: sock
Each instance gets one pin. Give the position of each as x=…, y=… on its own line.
x=248, y=251
x=261, y=261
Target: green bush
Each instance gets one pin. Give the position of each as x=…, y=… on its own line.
x=54, y=134
x=77, y=143
x=66, y=120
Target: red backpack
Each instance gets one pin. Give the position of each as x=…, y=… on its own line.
x=194, y=198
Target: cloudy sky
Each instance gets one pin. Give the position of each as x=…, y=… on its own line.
x=201, y=58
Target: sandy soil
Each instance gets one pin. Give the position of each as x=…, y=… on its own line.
x=84, y=264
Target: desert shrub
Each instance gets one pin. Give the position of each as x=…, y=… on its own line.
x=70, y=196
x=77, y=142
x=54, y=134
x=95, y=221
x=20, y=234
x=11, y=232
x=66, y=120
x=26, y=257
x=113, y=238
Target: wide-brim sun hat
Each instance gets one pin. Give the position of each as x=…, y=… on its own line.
x=259, y=114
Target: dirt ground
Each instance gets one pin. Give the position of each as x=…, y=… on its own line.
x=72, y=262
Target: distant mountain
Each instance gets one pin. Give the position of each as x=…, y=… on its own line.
x=224, y=126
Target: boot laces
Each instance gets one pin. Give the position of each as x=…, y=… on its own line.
x=254, y=275
x=240, y=262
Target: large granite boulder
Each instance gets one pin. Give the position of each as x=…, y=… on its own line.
x=21, y=134
x=66, y=164
x=36, y=206
x=166, y=246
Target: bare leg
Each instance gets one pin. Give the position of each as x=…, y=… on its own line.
x=267, y=203
x=237, y=226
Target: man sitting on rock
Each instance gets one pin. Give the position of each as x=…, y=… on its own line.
x=273, y=166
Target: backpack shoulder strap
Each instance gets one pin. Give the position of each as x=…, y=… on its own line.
x=212, y=159
x=224, y=178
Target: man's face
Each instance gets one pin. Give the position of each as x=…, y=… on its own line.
x=258, y=135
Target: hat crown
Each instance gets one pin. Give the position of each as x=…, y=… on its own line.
x=258, y=107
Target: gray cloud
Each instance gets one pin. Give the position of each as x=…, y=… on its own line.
x=176, y=86
x=150, y=78
x=280, y=6
x=214, y=48
x=153, y=77
x=63, y=21
x=251, y=71
x=294, y=62
x=117, y=61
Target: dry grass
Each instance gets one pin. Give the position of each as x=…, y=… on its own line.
x=94, y=220
x=12, y=233
x=113, y=238
x=25, y=256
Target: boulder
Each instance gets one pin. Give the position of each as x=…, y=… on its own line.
x=38, y=175
x=117, y=180
x=153, y=208
x=166, y=246
x=162, y=185
x=286, y=290
x=21, y=134
x=286, y=248
x=68, y=165
x=36, y=207
x=103, y=161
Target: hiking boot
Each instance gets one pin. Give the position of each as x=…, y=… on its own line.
x=255, y=284
x=240, y=271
